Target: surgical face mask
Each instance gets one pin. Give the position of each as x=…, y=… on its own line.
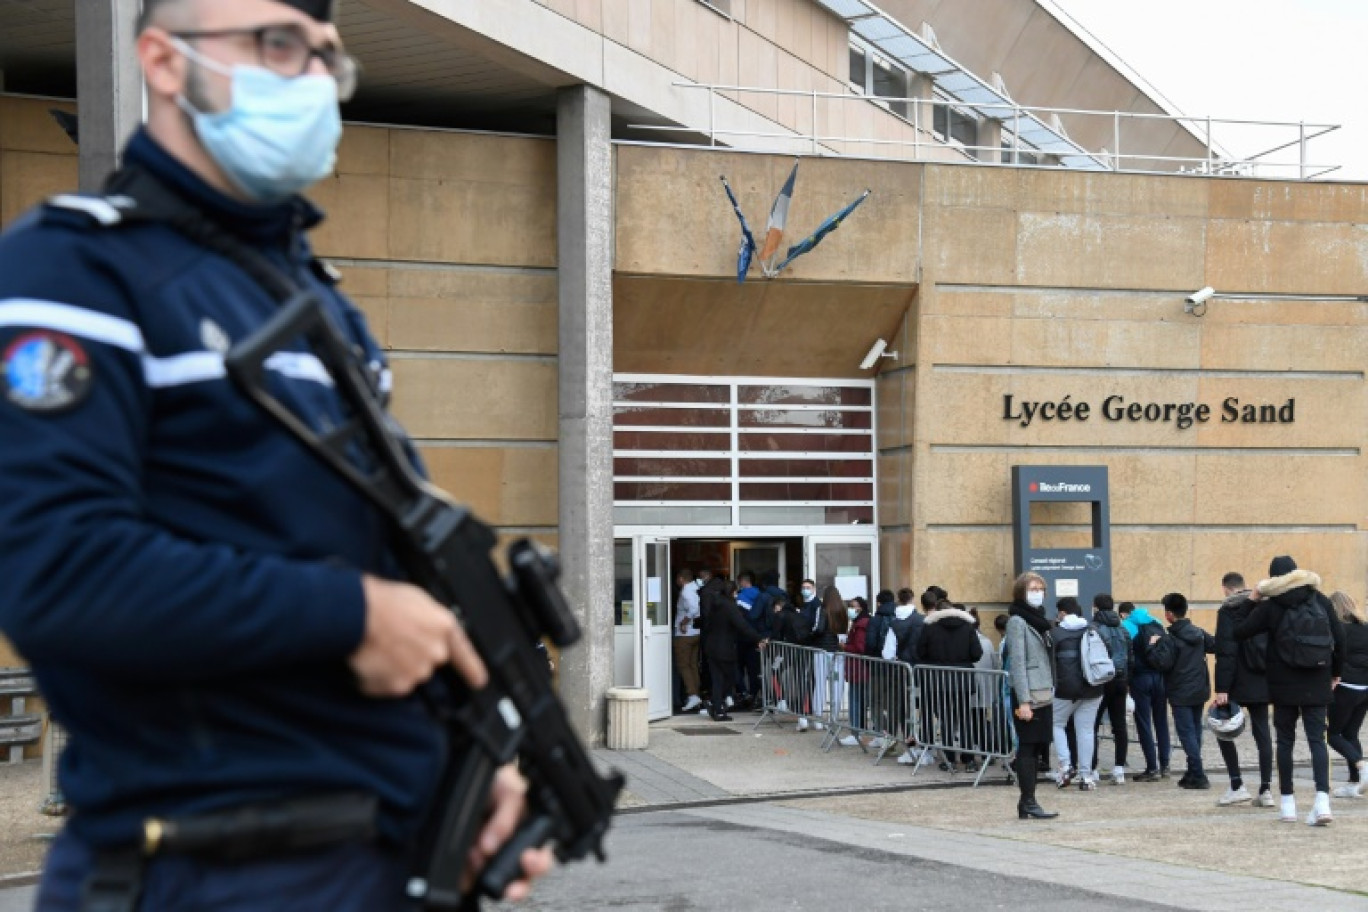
x=279, y=134
x=1035, y=598
x=852, y=613
x=808, y=594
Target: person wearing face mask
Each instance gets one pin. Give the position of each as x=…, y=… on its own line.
x=1030, y=666
x=213, y=616
x=857, y=611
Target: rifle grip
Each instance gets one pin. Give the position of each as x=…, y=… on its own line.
x=506, y=867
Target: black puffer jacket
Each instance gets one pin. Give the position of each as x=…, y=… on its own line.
x=949, y=639
x=1070, y=684
x=1355, y=654
x=723, y=623
x=1182, y=657
x=1288, y=686
x=1233, y=675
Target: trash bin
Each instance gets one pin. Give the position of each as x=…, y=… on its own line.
x=627, y=729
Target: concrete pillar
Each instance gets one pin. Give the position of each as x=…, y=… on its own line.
x=109, y=91
x=990, y=139
x=920, y=91
x=584, y=229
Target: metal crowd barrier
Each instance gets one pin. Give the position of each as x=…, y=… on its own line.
x=876, y=702
x=789, y=685
x=960, y=714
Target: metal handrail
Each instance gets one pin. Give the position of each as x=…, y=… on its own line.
x=1213, y=161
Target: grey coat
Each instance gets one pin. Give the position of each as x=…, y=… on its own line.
x=1030, y=666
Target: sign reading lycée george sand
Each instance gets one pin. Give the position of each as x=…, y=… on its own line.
x=1181, y=415
x=1078, y=572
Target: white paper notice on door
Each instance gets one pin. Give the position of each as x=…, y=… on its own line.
x=852, y=586
x=653, y=589
x=1065, y=587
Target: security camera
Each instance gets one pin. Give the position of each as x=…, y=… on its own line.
x=1201, y=297
x=876, y=351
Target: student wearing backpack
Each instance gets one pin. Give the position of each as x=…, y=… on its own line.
x=1030, y=669
x=1304, y=659
x=1351, y=697
x=1181, y=656
x=1147, y=690
x=1115, y=691
x=1240, y=680
x=1075, y=697
x=900, y=645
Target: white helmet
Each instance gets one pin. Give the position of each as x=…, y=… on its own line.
x=1226, y=722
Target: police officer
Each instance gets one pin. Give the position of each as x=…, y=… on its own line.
x=210, y=612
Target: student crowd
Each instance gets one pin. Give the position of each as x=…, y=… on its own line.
x=1282, y=649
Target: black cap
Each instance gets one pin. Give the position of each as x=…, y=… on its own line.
x=1281, y=566
x=322, y=10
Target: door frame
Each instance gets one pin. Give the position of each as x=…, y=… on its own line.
x=648, y=637
x=778, y=544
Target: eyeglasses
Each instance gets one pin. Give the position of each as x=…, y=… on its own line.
x=285, y=50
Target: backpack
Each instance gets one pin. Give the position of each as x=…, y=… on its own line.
x=877, y=633
x=1163, y=655
x=1095, y=656
x=1118, y=645
x=1303, y=638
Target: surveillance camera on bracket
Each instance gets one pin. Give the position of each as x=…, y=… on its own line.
x=1195, y=303
x=876, y=351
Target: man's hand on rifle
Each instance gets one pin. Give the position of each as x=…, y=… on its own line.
x=507, y=803
x=409, y=635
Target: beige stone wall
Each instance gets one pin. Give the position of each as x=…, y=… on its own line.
x=447, y=241
x=1047, y=284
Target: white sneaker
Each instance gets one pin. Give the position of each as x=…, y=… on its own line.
x=1233, y=796
x=1320, y=811
x=781, y=706
x=927, y=759
x=907, y=759
x=818, y=726
x=879, y=744
x=1352, y=790
x=1118, y=775
x=1288, y=811
x=730, y=704
x=802, y=723
x=692, y=703
x=1265, y=800
x=849, y=741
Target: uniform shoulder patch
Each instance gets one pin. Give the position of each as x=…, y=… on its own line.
x=45, y=371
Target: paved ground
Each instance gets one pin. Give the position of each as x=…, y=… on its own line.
x=721, y=815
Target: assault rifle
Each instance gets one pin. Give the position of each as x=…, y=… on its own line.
x=447, y=551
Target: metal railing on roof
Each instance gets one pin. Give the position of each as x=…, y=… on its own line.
x=1032, y=136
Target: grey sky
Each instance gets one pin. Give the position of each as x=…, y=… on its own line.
x=1282, y=60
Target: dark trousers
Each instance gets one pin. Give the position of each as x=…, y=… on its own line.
x=346, y=878
x=723, y=681
x=1346, y=717
x=747, y=670
x=1313, y=722
x=859, y=703
x=1188, y=721
x=1114, y=708
x=1257, y=714
x=1151, y=717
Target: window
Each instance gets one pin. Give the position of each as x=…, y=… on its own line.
x=871, y=73
x=1025, y=155
x=952, y=123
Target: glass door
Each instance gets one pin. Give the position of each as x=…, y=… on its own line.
x=849, y=564
x=758, y=558
x=642, y=645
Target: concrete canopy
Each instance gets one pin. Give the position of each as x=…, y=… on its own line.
x=780, y=328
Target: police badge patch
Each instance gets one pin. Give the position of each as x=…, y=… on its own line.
x=45, y=371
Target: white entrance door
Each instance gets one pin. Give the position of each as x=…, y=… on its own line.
x=850, y=564
x=657, y=646
x=642, y=647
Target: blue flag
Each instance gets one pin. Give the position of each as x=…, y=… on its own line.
x=747, y=250
x=812, y=240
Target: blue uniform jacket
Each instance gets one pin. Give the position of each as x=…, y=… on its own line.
x=182, y=575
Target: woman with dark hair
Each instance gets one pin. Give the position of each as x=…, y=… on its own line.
x=856, y=673
x=1351, y=696
x=832, y=625
x=1030, y=667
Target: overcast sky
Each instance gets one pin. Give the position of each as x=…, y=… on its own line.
x=1281, y=60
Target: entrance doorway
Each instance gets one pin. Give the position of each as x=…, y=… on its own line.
x=646, y=601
